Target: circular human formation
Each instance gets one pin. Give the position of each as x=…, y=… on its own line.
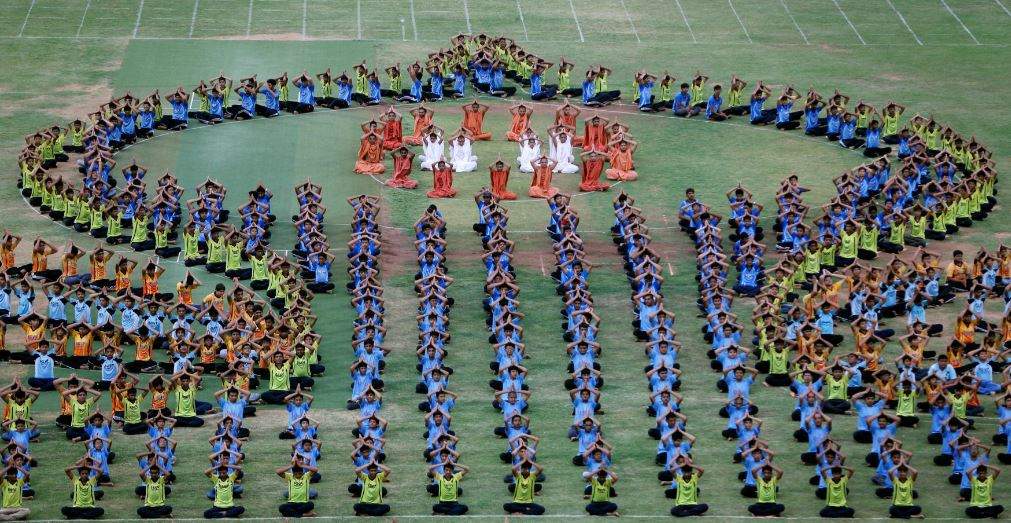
x=932, y=184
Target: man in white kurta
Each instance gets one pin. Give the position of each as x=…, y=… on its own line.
x=461, y=156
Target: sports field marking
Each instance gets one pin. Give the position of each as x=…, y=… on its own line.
x=630, y=23
x=305, y=17
x=443, y=41
x=29, y=14
x=466, y=16
x=249, y=18
x=193, y=19
x=574, y=17
x=903, y=19
x=1001, y=4
x=83, y=16
x=414, y=21
x=685, y=18
x=519, y=9
x=794, y=20
x=853, y=27
x=136, y=25
x=358, y=16
x=967, y=31
x=738, y=17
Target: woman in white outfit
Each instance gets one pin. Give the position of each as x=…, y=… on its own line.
x=530, y=150
x=460, y=153
x=561, y=151
x=432, y=149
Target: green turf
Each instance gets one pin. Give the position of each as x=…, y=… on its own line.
x=949, y=77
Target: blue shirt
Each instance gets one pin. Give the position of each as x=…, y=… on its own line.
x=270, y=99
x=588, y=91
x=681, y=100
x=755, y=108
x=713, y=105
x=645, y=94
x=783, y=112
x=180, y=111
x=43, y=366
x=306, y=93
x=535, y=83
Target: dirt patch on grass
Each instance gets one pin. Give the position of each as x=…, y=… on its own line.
x=276, y=37
x=74, y=100
x=892, y=77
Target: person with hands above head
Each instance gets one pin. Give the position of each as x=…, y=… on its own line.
x=370, y=502
x=449, y=491
x=298, y=475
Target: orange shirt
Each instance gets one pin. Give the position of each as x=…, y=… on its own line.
x=150, y=284
x=159, y=399
x=82, y=344
x=33, y=336
x=69, y=266
x=122, y=280
x=6, y=257
x=185, y=293
x=117, y=392
x=144, y=348
x=60, y=344
x=965, y=332
x=40, y=262
x=98, y=271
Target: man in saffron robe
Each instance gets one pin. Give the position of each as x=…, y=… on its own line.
x=595, y=134
x=566, y=115
x=473, y=121
x=442, y=186
x=622, y=165
x=370, y=155
x=373, y=126
x=393, y=129
x=499, y=180
x=422, y=120
x=540, y=184
x=402, y=161
x=593, y=167
x=520, y=123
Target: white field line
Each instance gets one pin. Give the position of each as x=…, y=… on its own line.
x=414, y=22
x=519, y=9
x=794, y=20
x=853, y=27
x=136, y=25
x=1001, y=5
x=441, y=41
x=685, y=18
x=305, y=18
x=84, y=15
x=576, y=19
x=358, y=16
x=27, y=16
x=903, y=19
x=193, y=19
x=960, y=22
x=630, y=23
x=466, y=16
x=734, y=9
x=249, y=18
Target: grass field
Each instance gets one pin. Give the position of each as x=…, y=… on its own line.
x=946, y=58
